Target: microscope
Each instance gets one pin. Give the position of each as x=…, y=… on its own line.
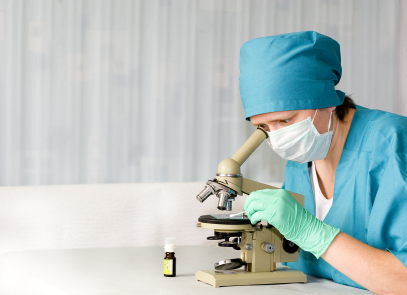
x=261, y=246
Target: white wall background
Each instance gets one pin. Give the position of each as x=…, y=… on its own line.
x=147, y=91
x=103, y=215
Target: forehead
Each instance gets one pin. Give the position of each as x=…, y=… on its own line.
x=274, y=116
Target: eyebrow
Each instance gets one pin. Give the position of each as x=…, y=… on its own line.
x=281, y=118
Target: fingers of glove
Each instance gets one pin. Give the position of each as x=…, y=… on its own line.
x=258, y=216
x=247, y=202
x=254, y=207
x=264, y=193
x=258, y=195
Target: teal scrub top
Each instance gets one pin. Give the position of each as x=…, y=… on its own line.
x=370, y=192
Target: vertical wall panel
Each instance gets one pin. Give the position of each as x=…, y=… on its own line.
x=402, y=74
x=148, y=90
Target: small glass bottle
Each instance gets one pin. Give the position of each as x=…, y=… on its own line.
x=170, y=266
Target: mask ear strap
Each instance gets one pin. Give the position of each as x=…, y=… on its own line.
x=329, y=125
x=314, y=116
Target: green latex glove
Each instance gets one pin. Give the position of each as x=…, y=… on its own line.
x=293, y=221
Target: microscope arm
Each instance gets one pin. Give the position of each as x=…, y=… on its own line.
x=249, y=186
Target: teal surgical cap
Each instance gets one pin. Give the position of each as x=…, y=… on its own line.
x=295, y=71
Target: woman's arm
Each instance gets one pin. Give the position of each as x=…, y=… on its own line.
x=377, y=270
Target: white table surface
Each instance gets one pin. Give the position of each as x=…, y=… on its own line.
x=137, y=270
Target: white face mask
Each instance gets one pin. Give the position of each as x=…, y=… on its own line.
x=301, y=142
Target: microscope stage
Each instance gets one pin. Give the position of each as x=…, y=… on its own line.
x=223, y=219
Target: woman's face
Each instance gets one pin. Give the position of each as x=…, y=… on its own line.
x=276, y=120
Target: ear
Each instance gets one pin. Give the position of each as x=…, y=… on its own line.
x=331, y=109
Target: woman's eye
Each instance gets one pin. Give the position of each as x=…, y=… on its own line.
x=285, y=121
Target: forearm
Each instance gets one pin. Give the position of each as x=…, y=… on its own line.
x=377, y=270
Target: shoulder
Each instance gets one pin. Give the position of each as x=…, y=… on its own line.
x=380, y=120
x=380, y=134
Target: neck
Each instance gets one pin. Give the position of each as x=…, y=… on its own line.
x=340, y=133
x=326, y=168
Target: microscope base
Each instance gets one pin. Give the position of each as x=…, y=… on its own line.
x=243, y=278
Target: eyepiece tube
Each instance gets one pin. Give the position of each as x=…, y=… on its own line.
x=203, y=195
x=249, y=146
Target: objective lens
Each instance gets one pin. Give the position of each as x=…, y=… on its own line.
x=229, y=205
x=203, y=195
x=223, y=200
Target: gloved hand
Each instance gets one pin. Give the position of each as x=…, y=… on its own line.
x=293, y=221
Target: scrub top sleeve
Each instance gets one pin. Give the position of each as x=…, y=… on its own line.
x=388, y=219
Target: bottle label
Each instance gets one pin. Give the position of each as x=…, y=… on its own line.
x=168, y=266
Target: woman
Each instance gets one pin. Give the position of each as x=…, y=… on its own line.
x=349, y=162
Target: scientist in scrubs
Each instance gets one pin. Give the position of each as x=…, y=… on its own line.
x=348, y=161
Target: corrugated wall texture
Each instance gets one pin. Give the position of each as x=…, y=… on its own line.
x=402, y=108
x=147, y=91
